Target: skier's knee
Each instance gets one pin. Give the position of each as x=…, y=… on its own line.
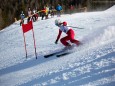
x=64, y=42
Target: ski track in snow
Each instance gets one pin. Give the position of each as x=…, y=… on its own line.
x=91, y=64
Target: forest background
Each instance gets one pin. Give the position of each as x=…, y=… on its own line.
x=11, y=9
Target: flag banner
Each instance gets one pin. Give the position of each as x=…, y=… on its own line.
x=27, y=27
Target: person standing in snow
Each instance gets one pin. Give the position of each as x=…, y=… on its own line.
x=47, y=11
x=34, y=15
x=70, y=34
x=29, y=15
x=22, y=16
x=71, y=9
x=52, y=9
x=58, y=8
x=43, y=13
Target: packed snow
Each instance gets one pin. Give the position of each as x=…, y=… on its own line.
x=91, y=64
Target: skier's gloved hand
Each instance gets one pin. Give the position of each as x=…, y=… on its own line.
x=56, y=41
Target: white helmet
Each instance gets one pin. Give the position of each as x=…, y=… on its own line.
x=57, y=22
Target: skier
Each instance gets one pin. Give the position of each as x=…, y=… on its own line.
x=22, y=16
x=70, y=34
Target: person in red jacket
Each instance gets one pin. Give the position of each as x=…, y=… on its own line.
x=70, y=34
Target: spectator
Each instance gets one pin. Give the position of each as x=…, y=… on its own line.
x=43, y=13
x=52, y=9
x=71, y=9
x=58, y=8
x=22, y=16
x=47, y=11
x=29, y=15
x=34, y=15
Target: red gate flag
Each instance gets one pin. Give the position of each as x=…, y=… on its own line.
x=27, y=27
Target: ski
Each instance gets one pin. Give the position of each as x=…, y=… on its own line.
x=55, y=53
x=63, y=54
x=51, y=54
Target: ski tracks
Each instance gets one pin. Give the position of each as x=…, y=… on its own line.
x=83, y=69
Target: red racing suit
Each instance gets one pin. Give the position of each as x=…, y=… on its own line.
x=70, y=36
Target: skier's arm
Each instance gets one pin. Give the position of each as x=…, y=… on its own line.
x=59, y=34
x=61, y=7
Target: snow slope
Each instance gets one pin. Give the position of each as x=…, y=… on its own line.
x=91, y=64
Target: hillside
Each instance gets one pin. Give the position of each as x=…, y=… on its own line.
x=92, y=64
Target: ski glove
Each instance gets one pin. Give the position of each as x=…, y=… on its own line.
x=56, y=41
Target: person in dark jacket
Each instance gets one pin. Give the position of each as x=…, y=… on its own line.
x=43, y=13
x=22, y=16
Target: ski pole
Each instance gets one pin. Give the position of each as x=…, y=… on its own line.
x=75, y=27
